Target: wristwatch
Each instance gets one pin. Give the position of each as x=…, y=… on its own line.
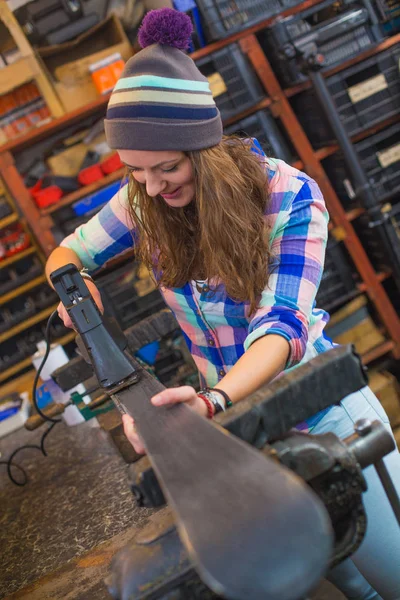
x=217, y=402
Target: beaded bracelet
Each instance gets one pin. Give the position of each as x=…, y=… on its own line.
x=209, y=404
x=228, y=401
x=219, y=405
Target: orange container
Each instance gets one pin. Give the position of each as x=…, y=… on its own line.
x=105, y=73
x=117, y=67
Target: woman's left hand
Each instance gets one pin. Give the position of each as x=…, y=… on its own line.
x=185, y=394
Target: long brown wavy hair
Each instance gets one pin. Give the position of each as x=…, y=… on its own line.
x=221, y=235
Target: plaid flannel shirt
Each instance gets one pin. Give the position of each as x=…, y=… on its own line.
x=217, y=329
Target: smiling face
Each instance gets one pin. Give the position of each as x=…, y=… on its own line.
x=168, y=174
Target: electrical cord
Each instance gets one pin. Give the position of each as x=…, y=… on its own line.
x=53, y=315
x=41, y=448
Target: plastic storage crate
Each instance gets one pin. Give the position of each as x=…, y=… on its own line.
x=221, y=18
x=372, y=242
x=380, y=159
x=335, y=30
x=388, y=9
x=265, y=129
x=237, y=86
x=23, y=345
x=19, y=273
x=5, y=208
x=22, y=307
x=66, y=221
x=120, y=297
x=336, y=170
x=338, y=284
x=364, y=95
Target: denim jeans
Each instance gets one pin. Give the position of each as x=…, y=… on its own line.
x=373, y=572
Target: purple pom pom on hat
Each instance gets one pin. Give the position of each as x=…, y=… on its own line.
x=166, y=27
x=162, y=101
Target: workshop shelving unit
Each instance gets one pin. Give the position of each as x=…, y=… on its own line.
x=27, y=67
x=25, y=299
x=276, y=99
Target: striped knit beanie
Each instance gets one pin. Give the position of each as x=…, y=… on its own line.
x=162, y=101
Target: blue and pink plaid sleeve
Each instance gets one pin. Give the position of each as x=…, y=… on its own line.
x=298, y=246
x=104, y=236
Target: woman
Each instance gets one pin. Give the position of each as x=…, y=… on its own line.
x=236, y=242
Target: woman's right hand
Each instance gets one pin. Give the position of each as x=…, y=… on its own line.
x=62, y=311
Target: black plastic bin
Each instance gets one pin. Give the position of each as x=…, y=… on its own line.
x=5, y=208
x=66, y=221
x=364, y=94
x=238, y=86
x=338, y=283
x=18, y=273
x=120, y=297
x=265, y=129
x=23, y=345
x=221, y=18
x=372, y=241
x=338, y=31
x=336, y=170
x=22, y=307
x=380, y=158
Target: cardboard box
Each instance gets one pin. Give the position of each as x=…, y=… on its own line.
x=387, y=389
x=67, y=163
x=353, y=324
x=68, y=64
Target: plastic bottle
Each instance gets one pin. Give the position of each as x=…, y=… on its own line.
x=50, y=391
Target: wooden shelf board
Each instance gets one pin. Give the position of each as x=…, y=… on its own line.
x=35, y=135
x=27, y=323
x=85, y=191
x=29, y=285
x=387, y=43
x=8, y=220
x=378, y=351
x=12, y=259
x=15, y=369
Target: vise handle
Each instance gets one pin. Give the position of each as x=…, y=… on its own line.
x=52, y=410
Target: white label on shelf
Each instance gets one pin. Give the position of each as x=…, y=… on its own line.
x=349, y=188
x=389, y=156
x=217, y=85
x=367, y=88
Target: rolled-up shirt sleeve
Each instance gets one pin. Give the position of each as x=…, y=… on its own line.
x=106, y=235
x=298, y=250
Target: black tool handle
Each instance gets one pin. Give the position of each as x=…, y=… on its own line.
x=111, y=364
